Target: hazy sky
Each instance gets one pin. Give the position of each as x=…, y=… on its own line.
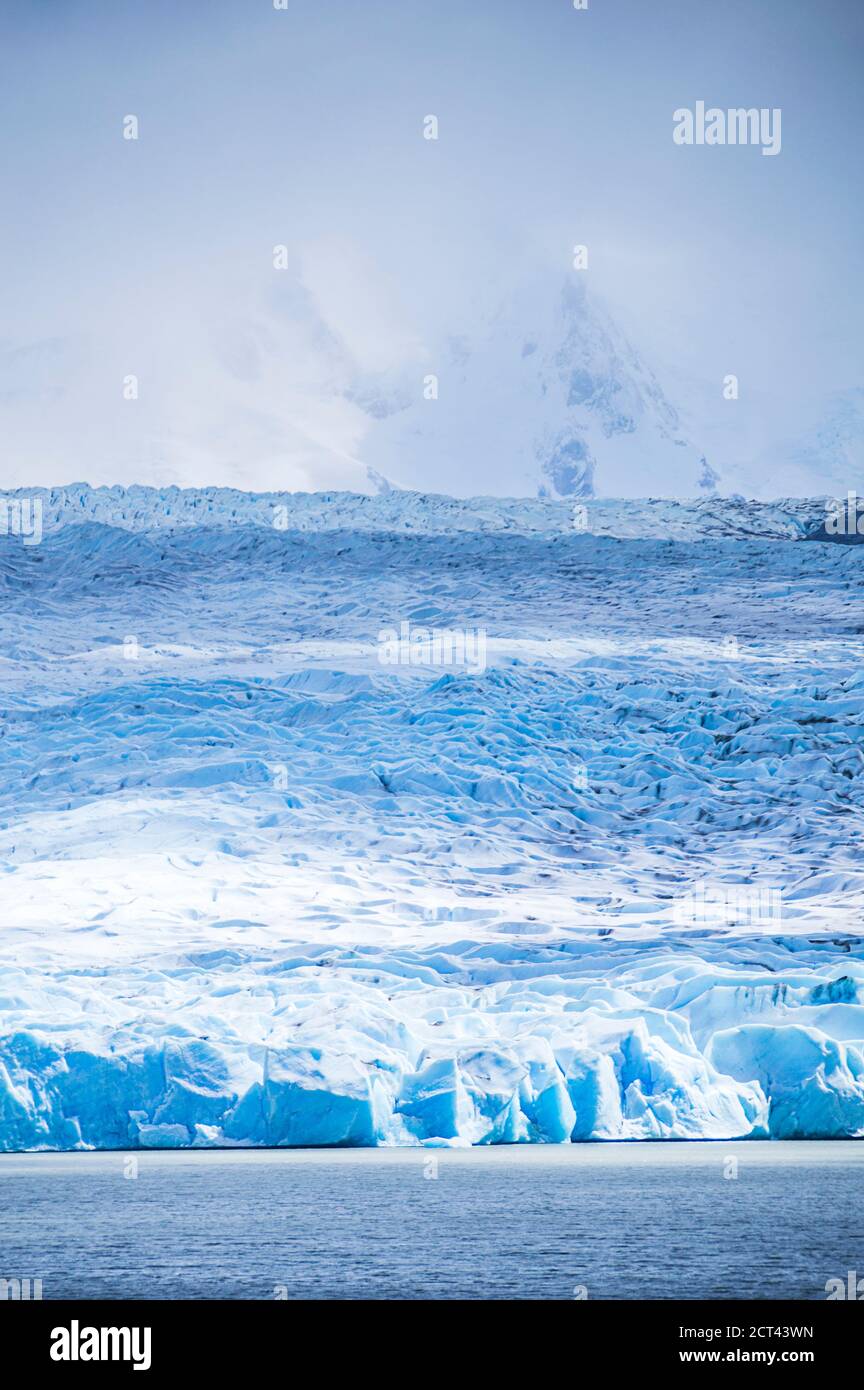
x=304, y=128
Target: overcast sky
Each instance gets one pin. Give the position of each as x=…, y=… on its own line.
x=303, y=127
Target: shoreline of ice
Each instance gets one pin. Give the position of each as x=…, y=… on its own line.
x=440, y=1049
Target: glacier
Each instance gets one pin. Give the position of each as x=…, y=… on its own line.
x=259, y=888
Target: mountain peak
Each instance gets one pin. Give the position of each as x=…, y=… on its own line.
x=545, y=395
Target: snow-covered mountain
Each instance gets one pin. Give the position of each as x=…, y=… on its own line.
x=827, y=457
x=538, y=393
x=543, y=396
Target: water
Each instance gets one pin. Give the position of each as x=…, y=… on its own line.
x=634, y=1221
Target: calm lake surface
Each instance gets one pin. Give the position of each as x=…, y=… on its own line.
x=643, y=1221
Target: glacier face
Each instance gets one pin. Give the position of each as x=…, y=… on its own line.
x=260, y=888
